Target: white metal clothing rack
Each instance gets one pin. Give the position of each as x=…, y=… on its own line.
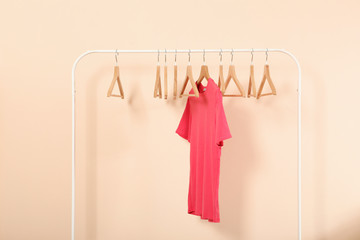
x=187, y=51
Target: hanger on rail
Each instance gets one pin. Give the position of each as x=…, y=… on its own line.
x=232, y=75
x=221, y=83
x=267, y=77
x=157, y=88
x=252, y=86
x=204, y=71
x=165, y=79
x=175, y=77
x=189, y=76
x=116, y=78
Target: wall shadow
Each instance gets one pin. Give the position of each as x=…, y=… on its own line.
x=91, y=161
x=319, y=159
x=238, y=161
x=348, y=231
x=136, y=101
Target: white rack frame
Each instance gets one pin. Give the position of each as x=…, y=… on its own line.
x=186, y=51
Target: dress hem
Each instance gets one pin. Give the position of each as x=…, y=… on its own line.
x=203, y=218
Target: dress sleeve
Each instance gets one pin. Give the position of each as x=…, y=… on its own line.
x=185, y=123
x=222, y=128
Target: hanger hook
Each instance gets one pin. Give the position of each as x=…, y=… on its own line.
x=220, y=53
x=165, y=55
x=252, y=55
x=232, y=55
x=175, y=54
x=116, y=54
x=158, y=55
x=267, y=50
x=189, y=55
x=204, y=55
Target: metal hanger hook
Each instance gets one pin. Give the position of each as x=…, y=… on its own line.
x=220, y=53
x=267, y=50
x=175, y=54
x=165, y=55
x=203, y=55
x=232, y=55
x=189, y=55
x=116, y=59
x=158, y=55
x=252, y=55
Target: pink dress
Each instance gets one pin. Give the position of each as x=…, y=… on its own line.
x=204, y=125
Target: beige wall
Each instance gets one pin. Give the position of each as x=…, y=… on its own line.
x=132, y=168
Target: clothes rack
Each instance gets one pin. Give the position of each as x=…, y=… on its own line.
x=157, y=51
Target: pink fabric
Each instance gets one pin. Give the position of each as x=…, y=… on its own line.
x=204, y=125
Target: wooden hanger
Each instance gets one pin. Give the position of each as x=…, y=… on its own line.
x=267, y=77
x=189, y=76
x=157, y=88
x=221, y=82
x=204, y=71
x=165, y=83
x=252, y=86
x=165, y=79
x=232, y=75
x=175, y=77
x=116, y=78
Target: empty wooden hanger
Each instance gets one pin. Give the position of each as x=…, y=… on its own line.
x=267, y=77
x=204, y=71
x=221, y=82
x=157, y=88
x=232, y=75
x=116, y=78
x=189, y=76
x=165, y=79
x=252, y=86
x=175, y=77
